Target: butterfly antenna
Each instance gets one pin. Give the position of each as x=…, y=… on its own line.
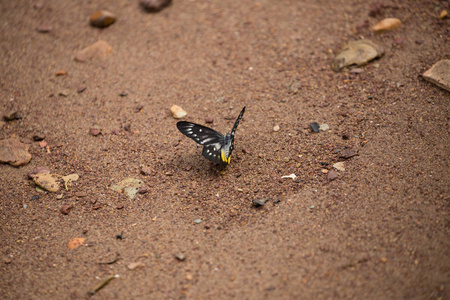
x=237, y=121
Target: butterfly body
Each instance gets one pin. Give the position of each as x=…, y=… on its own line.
x=216, y=146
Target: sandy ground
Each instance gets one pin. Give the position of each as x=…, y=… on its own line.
x=380, y=230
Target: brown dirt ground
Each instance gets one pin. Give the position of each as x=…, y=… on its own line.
x=379, y=231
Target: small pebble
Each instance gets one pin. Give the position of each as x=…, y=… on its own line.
x=339, y=166
x=135, y=265
x=127, y=127
x=332, y=175
x=314, y=127
x=324, y=127
x=197, y=221
x=209, y=120
x=147, y=171
x=102, y=19
x=115, y=131
x=143, y=190
x=180, y=256
x=347, y=153
x=398, y=41
x=276, y=128
x=386, y=24
x=38, y=137
x=119, y=206
x=11, y=115
x=61, y=73
x=443, y=15
x=259, y=202
x=95, y=131
x=44, y=28
x=43, y=144
x=81, y=89
x=356, y=71
x=154, y=5
x=138, y=108
x=65, y=209
x=178, y=112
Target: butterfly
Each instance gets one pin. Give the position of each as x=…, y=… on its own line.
x=216, y=146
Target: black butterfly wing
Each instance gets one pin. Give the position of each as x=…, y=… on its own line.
x=213, y=152
x=200, y=134
x=237, y=122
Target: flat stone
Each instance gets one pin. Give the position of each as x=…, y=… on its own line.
x=339, y=166
x=332, y=175
x=314, y=127
x=439, y=74
x=46, y=181
x=259, y=202
x=356, y=53
x=37, y=170
x=324, y=127
x=13, y=152
x=11, y=115
x=44, y=28
x=100, y=49
x=102, y=18
x=154, y=5
x=347, y=153
x=128, y=186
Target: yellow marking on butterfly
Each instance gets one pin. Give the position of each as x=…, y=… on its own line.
x=224, y=157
